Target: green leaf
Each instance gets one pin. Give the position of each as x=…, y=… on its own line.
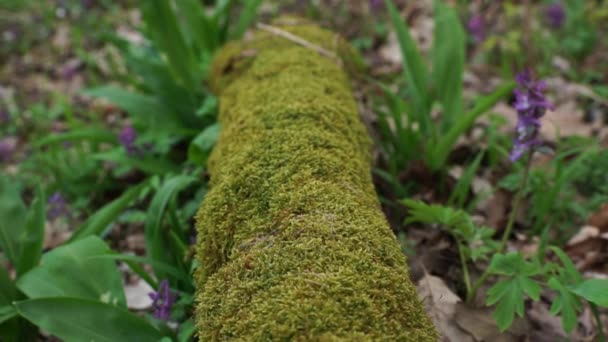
x=439, y=153
x=509, y=294
x=32, y=237
x=415, y=71
x=448, y=63
x=512, y=264
x=146, y=110
x=97, y=223
x=69, y=271
x=201, y=146
x=565, y=302
x=8, y=291
x=461, y=190
x=148, y=164
x=99, y=135
x=6, y=313
x=169, y=269
x=246, y=17
x=77, y=319
x=571, y=274
x=186, y=331
x=593, y=290
x=12, y=222
x=157, y=240
x=161, y=25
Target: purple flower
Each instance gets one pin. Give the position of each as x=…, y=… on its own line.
x=57, y=206
x=4, y=117
x=555, y=14
x=163, y=300
x=375, y=4
x=531, y=105
x=127, y=138
x=476, y=27
x=7, y=148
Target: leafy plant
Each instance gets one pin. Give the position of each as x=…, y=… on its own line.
x=520, y=278
x=76, y=292
x=409, y=131
x=552, y=188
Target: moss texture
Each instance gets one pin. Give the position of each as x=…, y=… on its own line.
x=292, y=242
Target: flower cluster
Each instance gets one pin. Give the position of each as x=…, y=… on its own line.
x=163, y=300
x=127, y=138
x=7, y=148
x=531, y=105
x=57, y=206
x=4, y=117
x=476, y=28
x=555, y=14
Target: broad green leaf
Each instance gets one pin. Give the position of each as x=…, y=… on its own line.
x=161, y=25
x=77, y=319
x=148, y=164
x=157, y=239
x=593, y=290
x=169, y=269
x=439, y=153
x=147, y=110
x=32, y=236
x=195, y=25
x=186, y=331
x=415, y=71
x=7, y=312
x=99, y=135
x=8, y=291
x=98, y=223
x=246, y=17
x=448, y=63
x=12, y=220
x=201, y=146
x=70, y=271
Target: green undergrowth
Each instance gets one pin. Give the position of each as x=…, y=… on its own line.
x=292, y=241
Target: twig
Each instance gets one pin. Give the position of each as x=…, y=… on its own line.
x=298, y=40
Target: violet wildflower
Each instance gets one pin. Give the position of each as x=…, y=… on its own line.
x=7, y=148
x=127, y=138
x=375, y=4
x=555, y=14
x=4, y=117
x=163, y=300
x=57, y=206
x=476, y=27
x=531, y=105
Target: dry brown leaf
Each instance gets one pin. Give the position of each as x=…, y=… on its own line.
x=440, y=303
x=480, y=323
x=137, y=295
x=600, y=219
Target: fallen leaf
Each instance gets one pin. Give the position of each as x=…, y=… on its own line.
x=440, y=303
x=137, y=295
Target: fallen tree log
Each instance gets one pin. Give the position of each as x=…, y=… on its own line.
x=292, y=242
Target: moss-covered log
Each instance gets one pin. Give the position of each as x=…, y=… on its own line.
x=292, y=242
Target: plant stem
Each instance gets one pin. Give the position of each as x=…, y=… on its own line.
x=600, y=336
x=465, y=269
x=516, y=202
x=505, y=235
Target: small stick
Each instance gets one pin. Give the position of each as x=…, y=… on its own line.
x=298, y=40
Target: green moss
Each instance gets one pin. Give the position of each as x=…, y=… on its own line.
x=292, y=241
